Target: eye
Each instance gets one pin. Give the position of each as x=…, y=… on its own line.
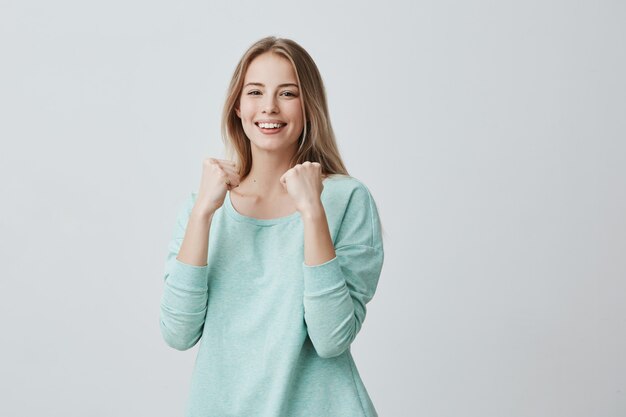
x=290, y=94
x=251, y=93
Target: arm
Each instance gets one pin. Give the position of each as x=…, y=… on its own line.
x=337, y=288
x=318, y=245
x=185, y=293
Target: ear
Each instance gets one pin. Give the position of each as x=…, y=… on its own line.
x=237, y=110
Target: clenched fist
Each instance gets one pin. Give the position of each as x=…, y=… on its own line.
x=303, y=182
x=218, y=176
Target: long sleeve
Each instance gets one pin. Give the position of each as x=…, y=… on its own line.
x=185, y=291
x=337, y=291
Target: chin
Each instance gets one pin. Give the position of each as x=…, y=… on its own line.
x=272, y=144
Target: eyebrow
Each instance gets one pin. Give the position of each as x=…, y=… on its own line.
x=281, y=85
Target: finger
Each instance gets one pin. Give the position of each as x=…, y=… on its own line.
x=231, y=182
x=230, y=170
x=234, y=179
x=226, y=162
x=221, y=162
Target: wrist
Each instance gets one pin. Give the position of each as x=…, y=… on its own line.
x=202, y=213
x=313, y=211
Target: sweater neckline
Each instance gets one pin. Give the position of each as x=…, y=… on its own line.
x=230, y=209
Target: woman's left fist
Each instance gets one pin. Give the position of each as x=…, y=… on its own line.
x=303, y=182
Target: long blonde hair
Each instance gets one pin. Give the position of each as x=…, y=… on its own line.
x=317, y=141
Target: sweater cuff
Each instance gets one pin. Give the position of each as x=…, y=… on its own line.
x=188, y=277
x=322, y=278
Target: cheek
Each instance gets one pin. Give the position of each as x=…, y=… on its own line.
x=296, y=111
x=247, y=109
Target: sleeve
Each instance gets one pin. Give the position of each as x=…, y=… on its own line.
x=336, y=292
x=185, y=291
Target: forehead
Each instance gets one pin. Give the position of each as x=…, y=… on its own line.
x=270, y=69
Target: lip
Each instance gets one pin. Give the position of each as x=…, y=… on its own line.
x=270, y=131
x=269, y=121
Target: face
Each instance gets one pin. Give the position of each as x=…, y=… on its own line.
x=270, y=94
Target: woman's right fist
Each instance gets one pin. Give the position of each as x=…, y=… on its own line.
x=218, y=176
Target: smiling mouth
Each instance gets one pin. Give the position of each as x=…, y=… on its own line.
x=270, y=126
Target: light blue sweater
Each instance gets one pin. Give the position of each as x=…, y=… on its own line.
x=276, y=333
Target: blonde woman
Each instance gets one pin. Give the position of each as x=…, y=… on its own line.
x=275, y=257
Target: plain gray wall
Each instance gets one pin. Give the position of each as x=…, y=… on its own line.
x=491, y=134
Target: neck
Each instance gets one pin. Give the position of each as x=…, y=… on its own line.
x=265, y=173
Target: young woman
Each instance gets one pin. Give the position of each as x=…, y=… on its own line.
x=275, y=257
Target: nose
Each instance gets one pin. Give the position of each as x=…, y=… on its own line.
x=269, y=104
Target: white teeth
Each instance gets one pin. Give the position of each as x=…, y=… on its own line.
x=270, y=125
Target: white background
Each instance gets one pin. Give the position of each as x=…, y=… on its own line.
x=491, y=135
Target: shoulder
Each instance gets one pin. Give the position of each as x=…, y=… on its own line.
x=346, y=189
x=351, y=208
x=190, y=200
x=185, y=206
x=339, y=183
